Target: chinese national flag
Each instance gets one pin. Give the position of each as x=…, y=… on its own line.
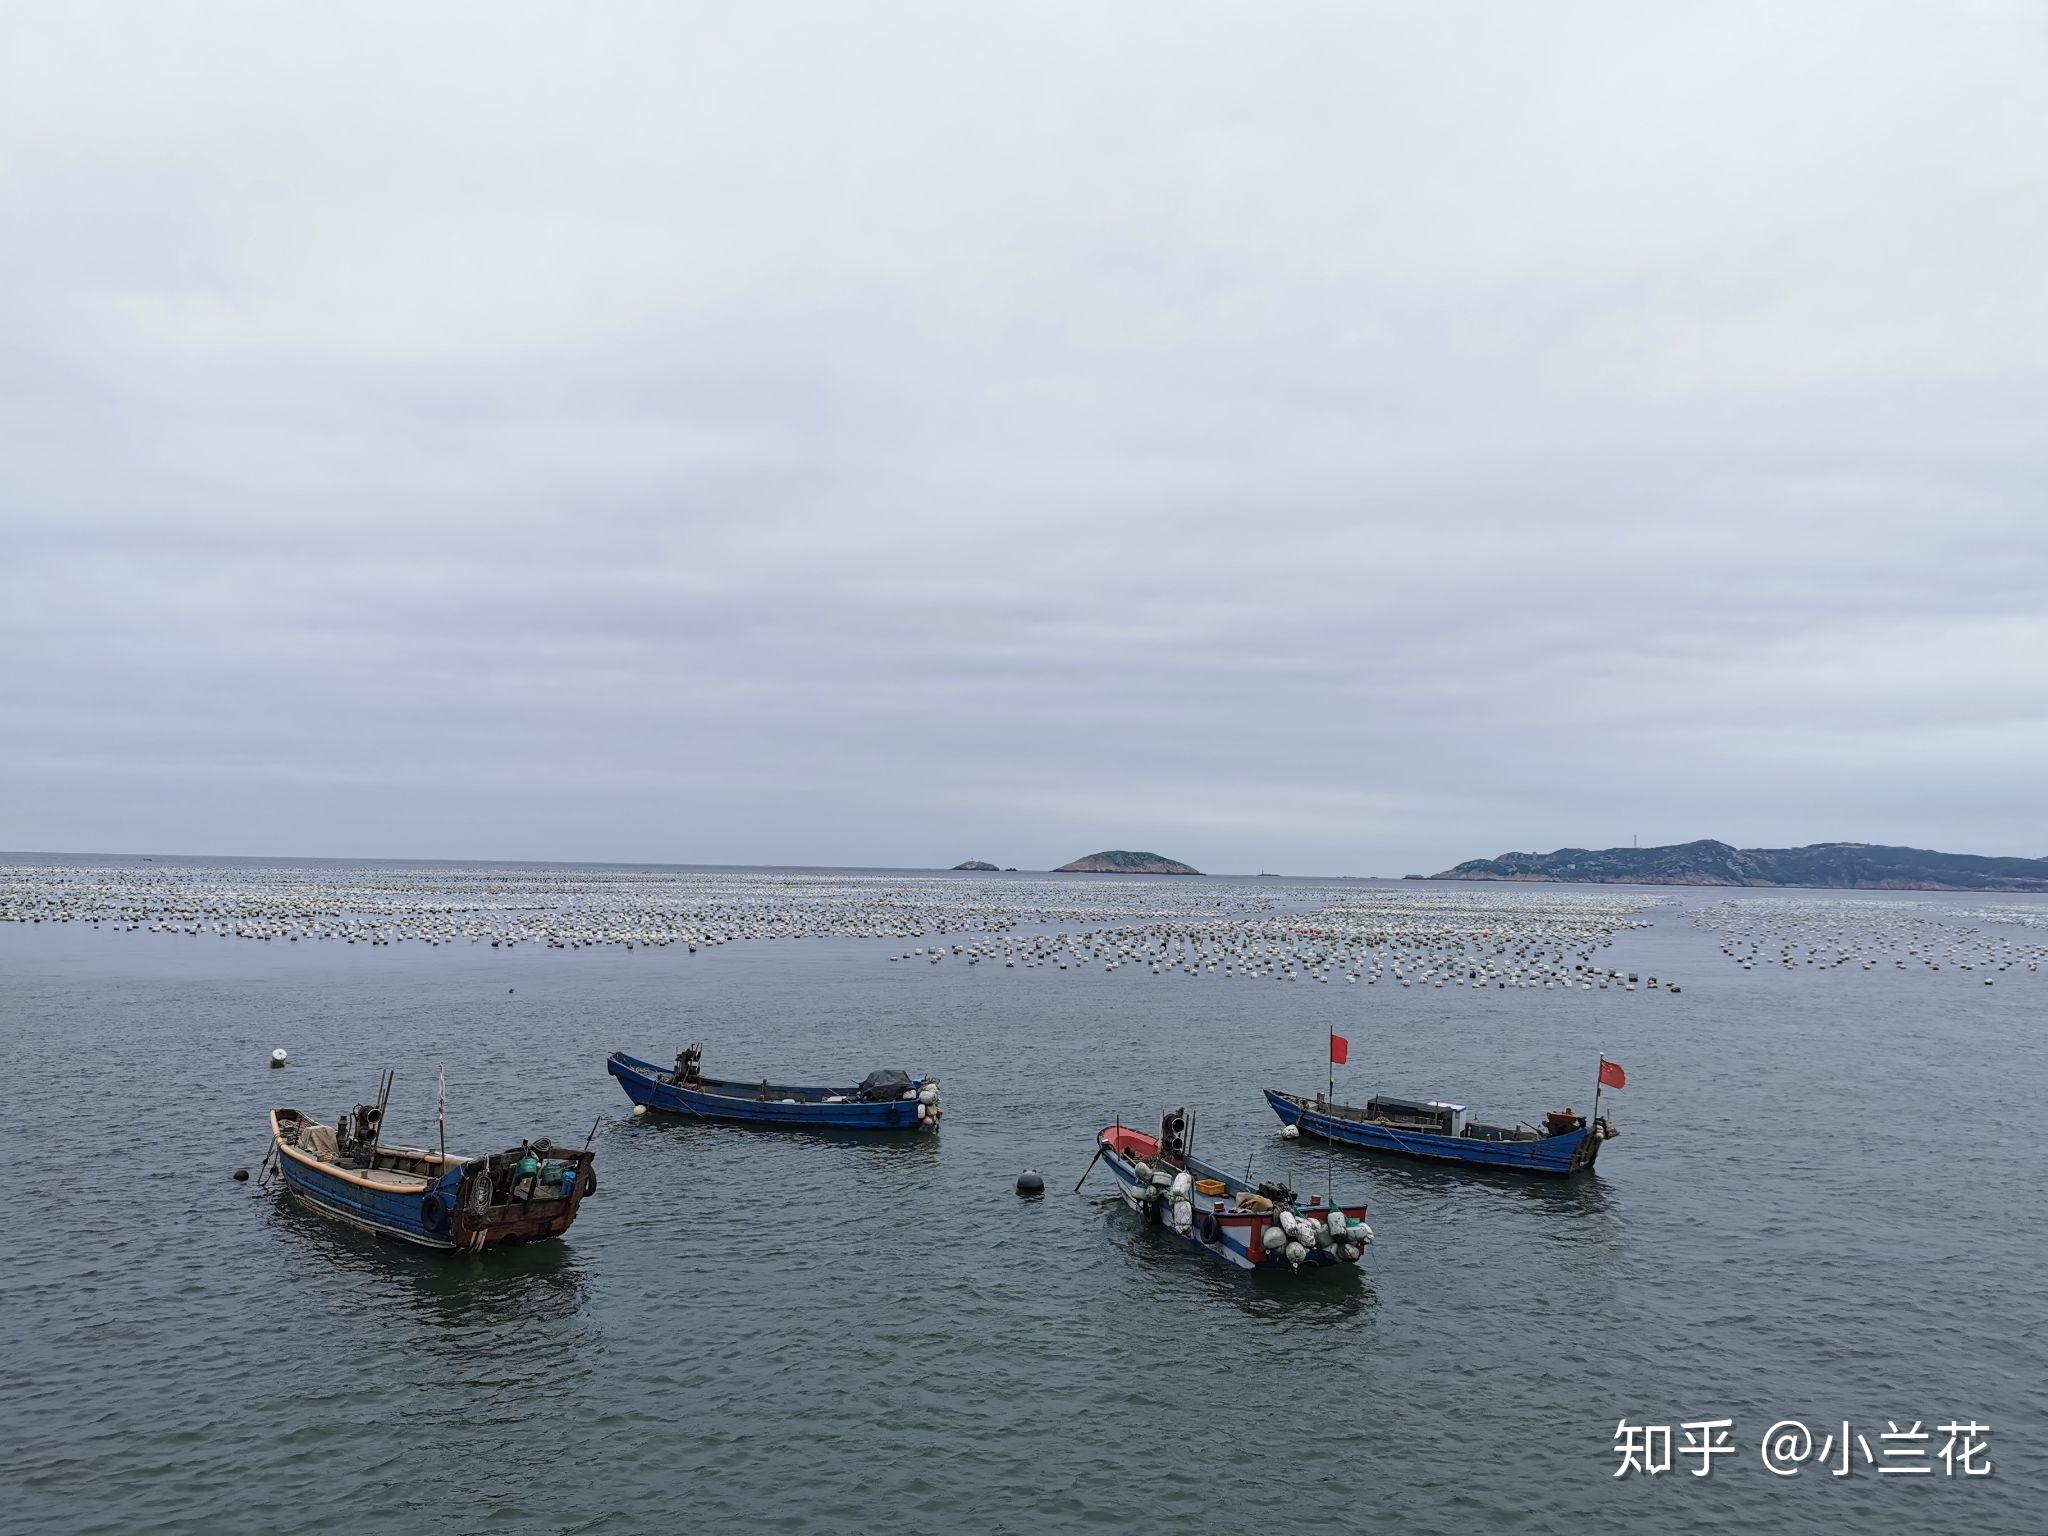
x=1340, y=1050
x=1611, y=1075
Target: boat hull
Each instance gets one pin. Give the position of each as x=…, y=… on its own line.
x=386, y=1213
x=652, y=1086
x=1553, y=1155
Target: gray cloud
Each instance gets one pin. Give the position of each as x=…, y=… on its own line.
x=1313, y=437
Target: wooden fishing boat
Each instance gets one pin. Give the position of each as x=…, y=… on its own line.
x=1262, y=1227
x=436, y=1199
x=1441, y=1132
x=882, y=1101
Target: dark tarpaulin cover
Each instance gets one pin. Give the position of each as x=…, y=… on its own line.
x=886, y=1084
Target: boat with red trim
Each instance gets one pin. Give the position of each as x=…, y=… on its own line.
x=1264, y=1226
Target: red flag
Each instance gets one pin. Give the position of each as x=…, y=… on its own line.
x=1611, y=1075
x=1340, y=1050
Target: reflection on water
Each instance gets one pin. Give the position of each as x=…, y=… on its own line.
x=725, y=1136
x=1578, y=1194
x=331, y=1260
x=1162, y=1268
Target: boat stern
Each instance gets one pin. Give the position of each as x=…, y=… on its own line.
x=1595, y=1136
x=524, y=1194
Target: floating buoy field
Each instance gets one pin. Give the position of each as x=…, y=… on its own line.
x=1820, y=934
x=1345, y=935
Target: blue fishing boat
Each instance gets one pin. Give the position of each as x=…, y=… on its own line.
x=1429, y=1128
x=881, y=1101
x=1441, y=1131
x=436, y=1199
x=1262, y=1227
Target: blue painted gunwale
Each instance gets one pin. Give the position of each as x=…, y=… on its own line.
x=1555, y=1155
x=717, y=1098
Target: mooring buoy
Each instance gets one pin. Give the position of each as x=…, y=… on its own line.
x=1030, y=1182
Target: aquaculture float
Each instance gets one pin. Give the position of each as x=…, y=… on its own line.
x=1263, y=1226
x=1566, y=1142
x=881, y=1101
x=434, y=1198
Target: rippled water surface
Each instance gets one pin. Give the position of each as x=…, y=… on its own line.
x=1826, y=1204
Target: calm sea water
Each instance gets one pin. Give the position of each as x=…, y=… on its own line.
x=1826, y=1205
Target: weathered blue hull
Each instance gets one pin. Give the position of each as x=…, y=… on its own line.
x=1546, y=1154
x=388, y=1213
x=772, y=1104
x=434, y=1199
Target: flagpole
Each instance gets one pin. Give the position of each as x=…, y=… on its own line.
x=1599, y=1082
x=441, y=1111
x=1330, y=1064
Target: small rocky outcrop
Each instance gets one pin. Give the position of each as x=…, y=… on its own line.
x=1122, y=861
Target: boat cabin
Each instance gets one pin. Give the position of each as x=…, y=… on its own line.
x=1425, y=1115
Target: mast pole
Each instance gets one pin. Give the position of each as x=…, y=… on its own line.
x=1598, y=1084
x=383, y=1099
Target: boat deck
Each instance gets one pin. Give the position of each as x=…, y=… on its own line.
x=390, y=1178
x=400, y=1169
x=1472, y=1130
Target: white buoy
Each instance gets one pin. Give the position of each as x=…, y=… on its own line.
x=639, y=1111
x=278, y=1057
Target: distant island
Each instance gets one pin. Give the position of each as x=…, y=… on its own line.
x=1121, y=861
x=1852, y=866
x=974, y=864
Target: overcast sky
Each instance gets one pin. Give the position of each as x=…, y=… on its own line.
x=1321, y=438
